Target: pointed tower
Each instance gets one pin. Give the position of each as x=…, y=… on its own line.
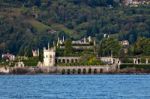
x=58, y=41
x=49, y=56
x=90, y=39
x=63, y=39
x=84, y=40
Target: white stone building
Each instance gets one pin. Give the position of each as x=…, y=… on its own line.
x=49, y=56
x=19, y=64
x=8, y=57
x=83, y=41
x=35, y=53
x=110, y=60
x=124, y=43
x=136, y=2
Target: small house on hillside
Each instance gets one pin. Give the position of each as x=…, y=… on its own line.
x=8, y=57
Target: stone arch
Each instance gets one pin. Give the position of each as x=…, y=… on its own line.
x=63, y=71
x=67, y=61
x=89, y=70
x=84, y=71
x=63, y=60
x=76, y=60
x=68, y=71
x=114, y=61
x=74, y=71
x=101, y=70
x=59, y=61
x=139, y=61
x=56, y=60
x=72, y=61
x=134, y=61
x=79, y=71
x=95, y=71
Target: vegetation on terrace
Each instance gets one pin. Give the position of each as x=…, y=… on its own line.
x=140, y=66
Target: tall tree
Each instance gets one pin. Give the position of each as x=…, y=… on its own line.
x=68, y=47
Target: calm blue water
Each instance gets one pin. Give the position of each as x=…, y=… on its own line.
x=75, y=87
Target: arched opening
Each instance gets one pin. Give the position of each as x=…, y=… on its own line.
x=95, y=71
x=74, y=71
x=76, y=60
x=113, y=61
x=63, y=71
x=63, y=60
x=59, y=61
x=139, y=61
x=90, y=71
x=68, y=61
x=68, y=71
x=101, y=70
x=84, y=71
x=79, y=71
x=72, y=61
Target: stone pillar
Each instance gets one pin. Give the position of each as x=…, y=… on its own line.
x=74, y=60
x=119, y=63
x=61, y=60
x=134, y=61
x=66, y=61
x=147, y=60
x=139, y=61
x=71, y=60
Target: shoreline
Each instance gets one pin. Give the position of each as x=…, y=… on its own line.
x=87, y=70
x=4, y=74
x=104, y=73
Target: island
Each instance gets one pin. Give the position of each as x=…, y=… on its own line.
x=82, y=56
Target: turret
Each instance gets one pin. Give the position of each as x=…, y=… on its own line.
x=49, y=56
x=89, y=39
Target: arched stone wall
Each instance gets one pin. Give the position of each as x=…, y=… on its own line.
x=136, y=60
x=89, y=71
x=101, y=71
x=67, y=59
x=63, y=71
x=74, y=71
x=68, y=71
x=83, y=70
x=79, y=71
x=95, y=71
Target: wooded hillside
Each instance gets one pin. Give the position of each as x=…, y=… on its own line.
x=31, y=24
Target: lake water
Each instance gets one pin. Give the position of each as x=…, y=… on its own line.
x=75, y=87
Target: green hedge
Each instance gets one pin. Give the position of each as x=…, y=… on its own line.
x=31, y=62
x=140, y=66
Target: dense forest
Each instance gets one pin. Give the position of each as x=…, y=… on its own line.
x=31, y=24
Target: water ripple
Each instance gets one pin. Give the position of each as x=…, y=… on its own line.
x=75, y=87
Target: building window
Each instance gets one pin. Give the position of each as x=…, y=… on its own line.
x=50, y=56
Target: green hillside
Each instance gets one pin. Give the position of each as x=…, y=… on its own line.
x=28, y=24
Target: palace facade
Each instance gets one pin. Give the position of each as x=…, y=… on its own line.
x=136, y=2
x=49, y=54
